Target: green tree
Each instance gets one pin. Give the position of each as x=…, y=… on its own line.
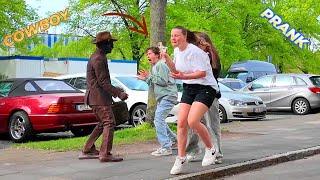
x=235, y=26
x=239, y=32
x=15, y=15
x=130, y=45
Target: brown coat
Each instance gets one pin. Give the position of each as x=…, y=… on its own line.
x=99, y=89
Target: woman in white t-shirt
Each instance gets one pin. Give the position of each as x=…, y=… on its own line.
x=192, y=66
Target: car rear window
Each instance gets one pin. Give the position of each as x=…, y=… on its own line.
x=5, y=88
x=315, y=80
x=54, y=85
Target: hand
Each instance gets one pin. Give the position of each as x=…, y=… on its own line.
x=121, y=89
x=123, y=96
x=178, y=75
x=165, y=56
x=142, y=74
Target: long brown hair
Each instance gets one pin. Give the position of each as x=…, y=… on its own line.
x=195, y=38
x=214, y=54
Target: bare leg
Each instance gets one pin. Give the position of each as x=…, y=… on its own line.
x=196, y=112
x=182, y=128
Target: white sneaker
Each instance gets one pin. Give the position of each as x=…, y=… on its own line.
x=218, y=159
x=178, y=165
x=194, y=156
x=209, y=157
x=162, y=152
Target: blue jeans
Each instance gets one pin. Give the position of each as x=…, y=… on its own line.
x=164, y=134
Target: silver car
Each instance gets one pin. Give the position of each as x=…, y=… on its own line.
x=297, y=92
x=234, y=105
x=232, y=83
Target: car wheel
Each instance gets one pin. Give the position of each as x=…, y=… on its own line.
x=83, y=131
x=301, y=106
x=20, y=128
x=222, y=114
x=138, y=115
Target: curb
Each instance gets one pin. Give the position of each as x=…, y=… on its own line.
x=251, y=164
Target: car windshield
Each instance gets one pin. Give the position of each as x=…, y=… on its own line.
x=315, y=80
x=5, y=88
x=54, y=85
x=237, y=75
x=234, y=84
x=224, y=88
x=133, y=83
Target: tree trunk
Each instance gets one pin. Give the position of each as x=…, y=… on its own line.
x=157, y=34
x=158, y=21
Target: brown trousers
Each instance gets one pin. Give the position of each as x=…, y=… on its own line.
x=105, y=127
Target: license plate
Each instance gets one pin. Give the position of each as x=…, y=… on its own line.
x=83, y=107
x=257, y=110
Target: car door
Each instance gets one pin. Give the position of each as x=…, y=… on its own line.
x=261, y=88
x=282, y=91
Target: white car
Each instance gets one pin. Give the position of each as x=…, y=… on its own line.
x=136, y=89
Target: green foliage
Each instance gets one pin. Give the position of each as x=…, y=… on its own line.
x=239, y=32
x=41, y=50
x=15, y=15
x=235, y=26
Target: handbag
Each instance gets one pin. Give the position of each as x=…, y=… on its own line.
x=120, y=112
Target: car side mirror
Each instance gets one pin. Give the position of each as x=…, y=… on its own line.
x=249, y=79
x=250, y=87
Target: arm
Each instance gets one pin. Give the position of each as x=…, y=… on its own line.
x=186, y=76
x=102, y=79
x=169, y=62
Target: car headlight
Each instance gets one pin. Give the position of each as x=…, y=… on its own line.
x=234, y=102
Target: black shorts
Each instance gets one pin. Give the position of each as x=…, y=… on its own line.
x=199, y=93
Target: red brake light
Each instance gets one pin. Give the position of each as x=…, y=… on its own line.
x=315, y=90
x=59, y=108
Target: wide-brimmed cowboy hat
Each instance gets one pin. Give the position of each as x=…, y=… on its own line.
x=103, y=36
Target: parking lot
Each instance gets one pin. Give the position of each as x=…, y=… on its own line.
x=234, y=126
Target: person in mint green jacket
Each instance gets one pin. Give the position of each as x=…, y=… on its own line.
x=166, y=93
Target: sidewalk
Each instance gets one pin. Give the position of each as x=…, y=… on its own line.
x=250, y=144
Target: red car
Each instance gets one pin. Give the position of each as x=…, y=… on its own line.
x=35, y=105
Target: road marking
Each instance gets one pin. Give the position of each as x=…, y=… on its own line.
x=298, y=137
x=313, y=122
x=284, y=129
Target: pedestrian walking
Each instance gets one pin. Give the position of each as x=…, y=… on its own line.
x=99, y=95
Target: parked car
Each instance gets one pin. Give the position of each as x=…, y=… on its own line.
x=135, y=88
x=250, y=70
x=35, y=105
x=297, y=92
x=232, y=83
x=234, y=105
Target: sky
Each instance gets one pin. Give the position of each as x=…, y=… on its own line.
x=45, y=8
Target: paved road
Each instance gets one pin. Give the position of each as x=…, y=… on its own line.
x=246, y=140
x=303, y=169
